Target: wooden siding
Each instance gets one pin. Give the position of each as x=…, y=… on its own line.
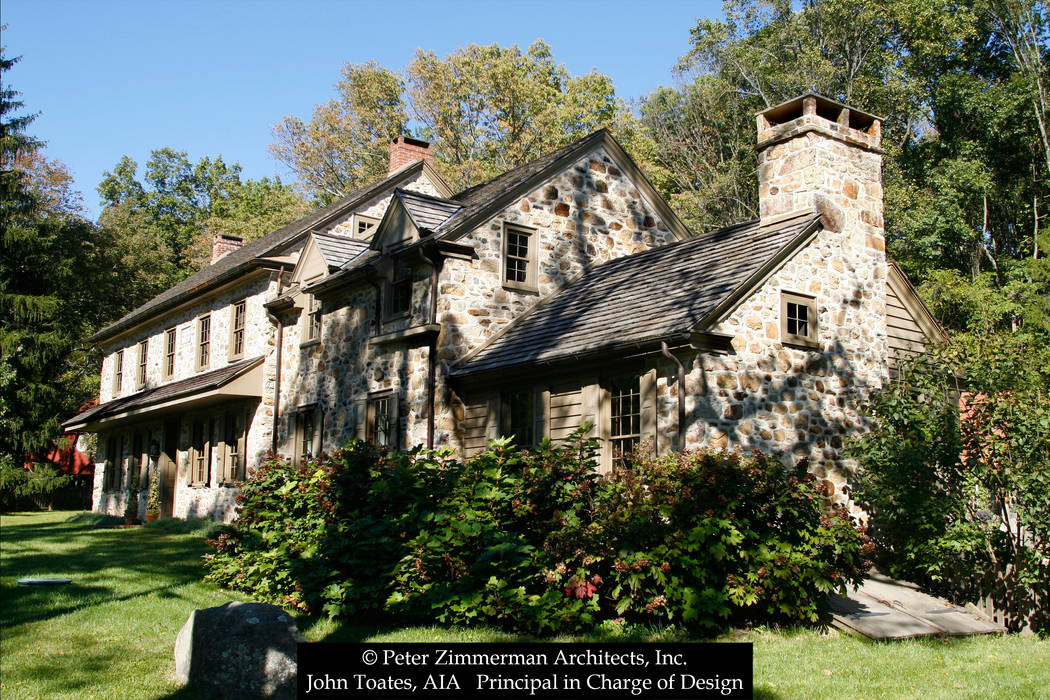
x=566, y=411
x=904, y=335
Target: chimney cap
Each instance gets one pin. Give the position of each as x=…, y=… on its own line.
x=408, y=140
x=825, y=107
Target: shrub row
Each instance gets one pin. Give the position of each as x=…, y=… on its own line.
x=536, y=541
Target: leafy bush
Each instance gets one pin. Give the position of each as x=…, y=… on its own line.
x=959, y=500
x=537, y=541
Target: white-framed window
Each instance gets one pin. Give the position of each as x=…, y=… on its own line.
x=364, y=226
x=382, y=427
x=238, y=318
x=312, y=320
x=204, y=341
x=169, y=353
x=140, y=376
x=625, y=413
x=118, y=372
x=519, y=258
x=798, y=319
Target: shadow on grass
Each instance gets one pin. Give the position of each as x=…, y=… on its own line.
x=105, y=566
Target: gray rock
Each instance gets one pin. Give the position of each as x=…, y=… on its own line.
x=239, y=650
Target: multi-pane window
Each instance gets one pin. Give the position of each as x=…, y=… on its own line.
x=522, y=405
x=380, y=420
x=517, y=255
x=798, y=319
x=626, y=420
x=140, y=378
x=399, y=296
x=203, y=341
x=118, y=372
x=200, y=454
x=169, y=353
x=363, y=226
x=135, y=461
x=314, y=316
x=237, y=329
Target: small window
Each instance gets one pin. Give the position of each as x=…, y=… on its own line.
x=233, y=448
x=237, y=330
x=382, y=421
x=798, y=319
x=140, y=378
x=364, y=226
x=307, y=435
x=200, y=454
x=118, y=372
x=399, y=294
x=625, y=431
x=312, y=320
x=169, y=353
x=519, y=258
x=204, y=341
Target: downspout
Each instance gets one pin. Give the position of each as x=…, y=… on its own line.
x=681, y=393
x=277, y=375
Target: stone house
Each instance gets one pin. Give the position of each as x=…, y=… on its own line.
x=560, y=294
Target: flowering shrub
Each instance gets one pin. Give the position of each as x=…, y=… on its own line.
x=537, y=541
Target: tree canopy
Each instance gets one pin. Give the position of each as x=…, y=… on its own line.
x=486, y=109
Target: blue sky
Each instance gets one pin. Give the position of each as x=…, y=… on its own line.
x=123, y=78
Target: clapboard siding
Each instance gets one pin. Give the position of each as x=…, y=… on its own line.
x=474, y=427
x=566, y=411
x=904, y=336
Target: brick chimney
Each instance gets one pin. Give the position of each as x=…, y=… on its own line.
x=405, y=150
x=815, y=153
x=223, y=244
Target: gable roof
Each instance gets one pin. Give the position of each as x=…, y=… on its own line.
x=673, y=290
x=427, y=212
x=244, y=258
x=484, y=200
x=337, y=250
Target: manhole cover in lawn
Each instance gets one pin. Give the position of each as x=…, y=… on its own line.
x=43, y=581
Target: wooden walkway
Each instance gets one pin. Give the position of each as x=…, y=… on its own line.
x=883, y=608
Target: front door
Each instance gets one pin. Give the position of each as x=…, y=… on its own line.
x=168, y=468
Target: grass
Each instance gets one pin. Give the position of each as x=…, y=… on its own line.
x=111, y=633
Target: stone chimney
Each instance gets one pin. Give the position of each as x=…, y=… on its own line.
x=405, y=150
x=815, y=153
x=223, y=244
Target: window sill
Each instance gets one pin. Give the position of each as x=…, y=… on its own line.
x=310, y=343
x=413, y=333
x=800, y=343
x=521, y=287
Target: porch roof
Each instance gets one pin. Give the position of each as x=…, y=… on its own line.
x=237, y=380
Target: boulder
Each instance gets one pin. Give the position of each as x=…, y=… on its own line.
x=239, y=650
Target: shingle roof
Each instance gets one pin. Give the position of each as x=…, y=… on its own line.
x=641, y=297
x=166, y=392
x=239, y=260
x=336, y=250
x=427, y=212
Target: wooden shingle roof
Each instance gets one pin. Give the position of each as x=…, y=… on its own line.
x=648, y=296
x=337, y=250
x=240, y=260
x=427, y=212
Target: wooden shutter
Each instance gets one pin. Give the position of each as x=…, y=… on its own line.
x=361, y=417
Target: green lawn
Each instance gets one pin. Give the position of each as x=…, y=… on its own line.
x=111, y=633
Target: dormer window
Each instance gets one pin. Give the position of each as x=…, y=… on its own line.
x=519, y=258
x=798, y=319
x=364, y=226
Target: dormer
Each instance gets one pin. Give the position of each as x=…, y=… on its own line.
x=411, y=217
